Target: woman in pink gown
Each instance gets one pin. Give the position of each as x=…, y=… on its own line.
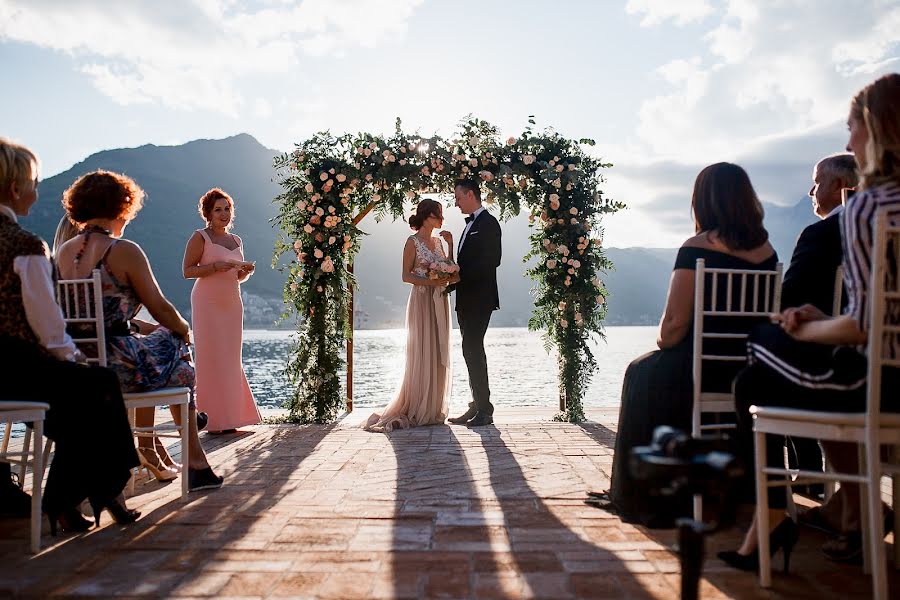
x=424, y=395
x=215, y=258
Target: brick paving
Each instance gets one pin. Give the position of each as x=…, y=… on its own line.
x=435, y=512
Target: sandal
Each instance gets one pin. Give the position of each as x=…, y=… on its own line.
x=150, y=460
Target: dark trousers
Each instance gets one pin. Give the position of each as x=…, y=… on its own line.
x=766, y=384
x=94, y=450
x=473, y=325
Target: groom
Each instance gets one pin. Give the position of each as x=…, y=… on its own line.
x=478, y=256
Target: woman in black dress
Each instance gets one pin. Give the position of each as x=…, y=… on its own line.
x=658, y=388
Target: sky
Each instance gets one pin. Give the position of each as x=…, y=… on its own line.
x=664, y=87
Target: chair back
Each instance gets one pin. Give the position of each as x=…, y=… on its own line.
x=744, y=297
x=81, y=301
x=884, y=323
x=838, y=291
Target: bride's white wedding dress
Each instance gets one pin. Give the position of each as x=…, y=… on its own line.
x=424, y=395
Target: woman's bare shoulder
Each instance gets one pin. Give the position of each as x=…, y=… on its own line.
x=701, y=240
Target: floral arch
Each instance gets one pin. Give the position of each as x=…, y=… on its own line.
x=330, y=183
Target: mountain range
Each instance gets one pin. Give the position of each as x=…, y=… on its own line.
x=175, y=177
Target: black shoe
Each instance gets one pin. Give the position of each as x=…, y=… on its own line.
x=463, y=418
x=221, y=431
x=846, y=548
x=121, y=514
x=202, y=420
x=70, y=521
x=203, y=479
x=782, y=537
x=816, y=520
x=480, y=420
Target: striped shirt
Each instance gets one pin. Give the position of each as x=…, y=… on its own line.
x=857, y=231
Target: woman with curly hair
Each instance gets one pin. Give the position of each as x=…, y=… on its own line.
x=144, y=356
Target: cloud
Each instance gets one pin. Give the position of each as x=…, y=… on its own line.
x=655, y=12
x=193, y=54
x=767, y=68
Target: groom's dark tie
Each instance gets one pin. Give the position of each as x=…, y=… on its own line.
x=470, y=218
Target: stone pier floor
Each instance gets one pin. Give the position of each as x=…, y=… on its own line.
x=434, y=512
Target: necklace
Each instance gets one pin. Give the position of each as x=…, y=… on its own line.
x=87, y=231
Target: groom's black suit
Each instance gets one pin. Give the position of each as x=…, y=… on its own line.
x=476, y=298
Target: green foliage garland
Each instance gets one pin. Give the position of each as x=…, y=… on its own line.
x=328, y=180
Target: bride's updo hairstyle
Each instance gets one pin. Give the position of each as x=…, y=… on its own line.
x=424, y=209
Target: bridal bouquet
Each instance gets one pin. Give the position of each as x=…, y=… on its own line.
x=442, y=269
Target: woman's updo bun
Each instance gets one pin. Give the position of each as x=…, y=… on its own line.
x=424, y=209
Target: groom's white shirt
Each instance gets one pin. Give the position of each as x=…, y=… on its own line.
x=462, y=239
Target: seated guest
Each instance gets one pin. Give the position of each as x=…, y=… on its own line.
x=65, y=231
x=810, y=360
x=155, y=356
x=810, y=277
x=87, y=418
x=658, y=388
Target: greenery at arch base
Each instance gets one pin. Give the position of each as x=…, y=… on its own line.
x=328, y=180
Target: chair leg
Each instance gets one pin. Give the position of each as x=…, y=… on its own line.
x=762, y=511
x=136, y=470
x=896, y=506
x=48, y=448
x=185, y=450
x=875, y=522
x=23, y=464
x=864, y=492
x=7, y=431
x=830, y=486
x=37, y=476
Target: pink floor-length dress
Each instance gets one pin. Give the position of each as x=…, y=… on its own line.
x=424, y=395
x=217, y=315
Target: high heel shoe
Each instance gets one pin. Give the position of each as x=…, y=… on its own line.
x=155, y=465
x=784, y=537
x=120, y=514
x=165, y=458
x=70, y=521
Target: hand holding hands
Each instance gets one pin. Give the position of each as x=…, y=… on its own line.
x=223, y=265
x=792, y=318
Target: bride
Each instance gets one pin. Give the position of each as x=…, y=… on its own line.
x=425, y=393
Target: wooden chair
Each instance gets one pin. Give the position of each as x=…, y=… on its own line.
x=830, y=486
x=82, y=303
x=870, y=430
x=27, y=412
x=747, y=294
